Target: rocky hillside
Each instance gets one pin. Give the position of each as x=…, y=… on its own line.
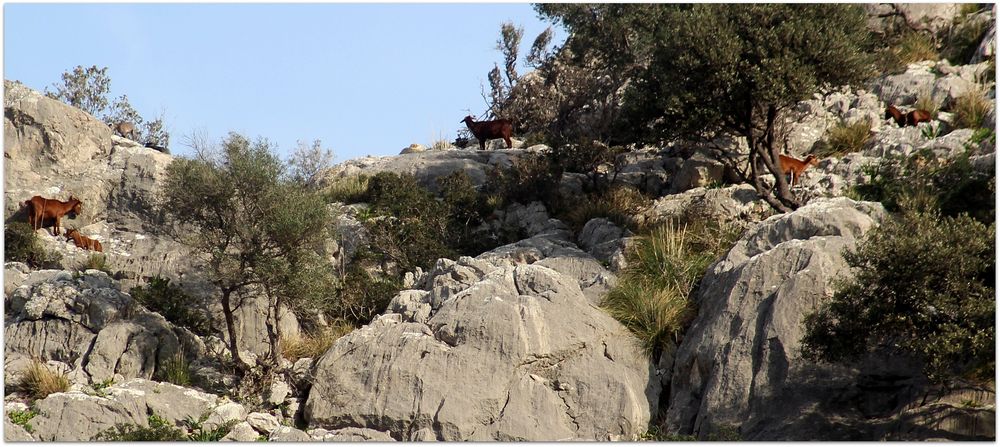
x=511, y=344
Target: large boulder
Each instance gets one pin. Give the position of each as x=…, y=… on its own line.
x=505, y=348
x=742, y=346
x=87, y=321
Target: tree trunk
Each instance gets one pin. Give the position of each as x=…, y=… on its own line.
x=227, y=311
x=274, y=332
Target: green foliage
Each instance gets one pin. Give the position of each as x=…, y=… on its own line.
x=532, y=177
x=651, y=297
x=307, y=163
x=915, y=47
x=38, y=381
x=101, y=388
x=963, y=41
x=348, y=190
x=175, y=370
x=159, y=429
x=363, y=295
x=170, y=301
x=97, y=261
x=924, y=284
x=619, y=205
x=726, y=68
x=236, y=209
x=983, y=134
x=844, y=138
x=599, y=162
x=924, y=182
x=83, y=88
x=198, y=433
x=411, y=226
x=21, y=244
x=21, y=417
x=971, y=108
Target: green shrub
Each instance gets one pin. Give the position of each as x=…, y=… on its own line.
x=363, y=296
x=159, y=429
x=971, y=108
x=97, y=261
x=21, y=417
x=21, y=244
x=924, y=182
x=619, y=205
x=348, y=190
x=175, y=370
x=924, y=285
x=38, y=381
x=170, y=301
x=963, y=40
x=599, y=162
x=983, y=134
x=915, y=47
x=198, y=433
x=651, y=298
x=845, y=138
x=532, y=177
x=410, y=227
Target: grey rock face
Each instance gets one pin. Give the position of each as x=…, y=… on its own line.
x=87, y=321
x=289, y=434
x=731, y=203
x=351, y=434
x=743, y=348
x=76, y=416
x=508, y=350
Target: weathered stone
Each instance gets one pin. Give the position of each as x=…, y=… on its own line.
x=467, y=373
x=350, y=434
x=229, y=411
x=263, y=422
x=241, y=432
x=289, y=434
x=71, y=417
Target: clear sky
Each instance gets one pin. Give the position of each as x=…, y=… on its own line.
x=363, y=78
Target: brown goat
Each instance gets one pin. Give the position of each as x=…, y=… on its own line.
x=796, y=166
x=40, y=208
x=125, y=128
x=83, y=242
x=910, y=119
x=488, y=130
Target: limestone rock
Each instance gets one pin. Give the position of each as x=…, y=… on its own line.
x=350, y=434
x=288, y=434
x=743, y=348
x=263, y=422
x=241, y=432
x=512, y=351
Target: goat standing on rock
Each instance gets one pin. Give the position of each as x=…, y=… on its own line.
x=124, y=128
x=796, y=166
x=40, y=208
x=488, y=130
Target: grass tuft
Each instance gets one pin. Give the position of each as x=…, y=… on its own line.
x=315, y=344
x=38, y=381
x=971, y=108
x=348, y=190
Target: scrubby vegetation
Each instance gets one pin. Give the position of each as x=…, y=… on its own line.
x=844, y=138
x=924, y=182
x=314, y=344
x=173, y=303
x=22, y=418
x=158, y=429
x=924, y=285
x=254, y=228
x=348, y=190
x=664, y=267
x=971, y=108
x=619, y=205
x=87, y=89
x=38, y=381
x=21, y=244
x=175, y=370
x=97, y=261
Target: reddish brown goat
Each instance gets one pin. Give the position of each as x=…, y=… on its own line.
x=910, y=119
x=40, y=208
x=796, y=166
x=488, y=130
x=83, y=242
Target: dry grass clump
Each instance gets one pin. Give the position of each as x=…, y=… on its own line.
x=664, y=267
x=38, y=381
x=619, y=205
x=971, y=108
x=312, y=345
x=348, y=190
x=845, y=138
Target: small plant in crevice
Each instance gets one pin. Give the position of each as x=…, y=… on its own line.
x=96, y=261
x=175, y=370
x=651, y=298
x=22, y=418
x=844, y=138
x=157, y=429
x=971, y=108
x=38, y=381
x=198, y=433
x=21, y=244
x=173, y=303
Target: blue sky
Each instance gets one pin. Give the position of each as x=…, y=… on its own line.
x=363, y=78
